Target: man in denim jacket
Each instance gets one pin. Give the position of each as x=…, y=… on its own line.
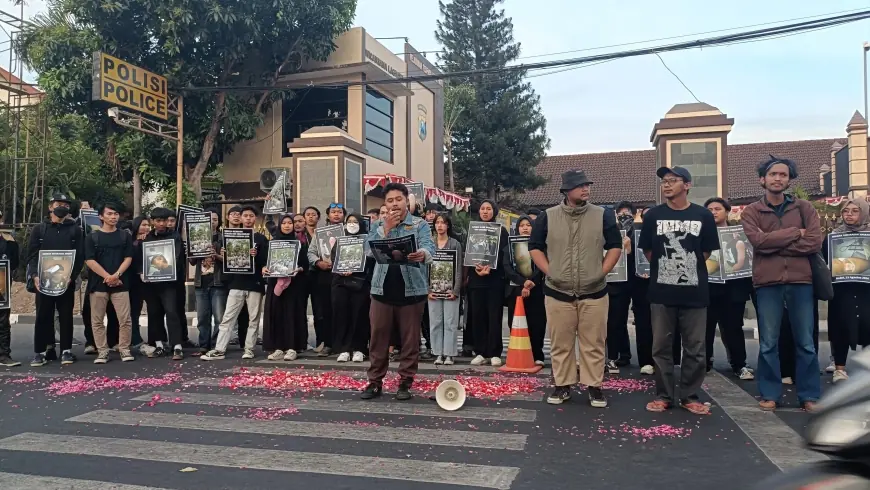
x=398, y=295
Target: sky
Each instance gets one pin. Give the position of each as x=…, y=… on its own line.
x=798, y=87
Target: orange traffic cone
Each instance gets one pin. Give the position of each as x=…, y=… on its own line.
x=519, y=357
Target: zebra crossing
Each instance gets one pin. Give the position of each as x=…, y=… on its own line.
x=331, y=435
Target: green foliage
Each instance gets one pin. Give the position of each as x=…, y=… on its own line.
x=195, y=43
x=188, y=197
x=500, y=135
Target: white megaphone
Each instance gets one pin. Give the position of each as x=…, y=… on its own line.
x=450, y=395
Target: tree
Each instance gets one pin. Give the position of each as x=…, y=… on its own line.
x=456, y=98
x=213, y=44
x=501, y=135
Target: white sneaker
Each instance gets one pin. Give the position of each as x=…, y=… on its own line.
x=478, y=361
x=146, y=349
x=343, y=357
x=495, y=361
x=213, y=355
x=358, y=357
x=787, y=381
x=90, y=350
x=539, y=363
x=746, y=374
x=439, y=360
x=249, y=354
x=127, y=356
x=448, y=361
x=290, y=355
x=278, y=355
x=831, y=367
x=648, y=370
x=839, y=375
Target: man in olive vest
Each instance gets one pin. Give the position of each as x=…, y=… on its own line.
x=567, y=244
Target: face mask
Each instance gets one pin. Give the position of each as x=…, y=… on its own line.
x=626, y=220
x=352, y=228
x=60, y=211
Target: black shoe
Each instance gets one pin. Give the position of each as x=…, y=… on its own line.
x=38, y=360
x=50, y=354
x=189, y=344
x=394, y=356
x=467, y=352
x=560, y=395
x=426, y=355
x=177, y=355
x=404, y=391
x=373, y=390
x=623, y=361
x=159, y=352
x=326, y=352
x=596, y=397
x=67, y=358
x=8, y=361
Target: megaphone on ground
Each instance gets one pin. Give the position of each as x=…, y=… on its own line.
x=450, y=395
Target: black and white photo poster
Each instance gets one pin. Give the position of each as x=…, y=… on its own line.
x=715, y=273
x=520, y=257
x=90, y=220
x=55, y=271
x=641, y=264
x=5, y=285
x=199, y=235
x=350, y=255
x=735, y=253
x=483, y=243
x=849, y=256
x=620, y=270
x=394, y=251
x=238, y=243
x=325, y=238
x=416, y=194
x=283, y=257
x=277, y=202
x=158, y=261
x=442, y=273
x=183, y=210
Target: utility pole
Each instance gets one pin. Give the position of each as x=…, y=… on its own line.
x=179, y=158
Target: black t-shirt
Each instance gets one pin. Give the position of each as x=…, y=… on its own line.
x=678, y=241
x=394, y=289
x=109, y=250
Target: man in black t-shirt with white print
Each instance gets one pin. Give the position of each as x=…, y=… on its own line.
x=677, y=237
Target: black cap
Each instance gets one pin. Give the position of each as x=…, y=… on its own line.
x=573, y=179
x=678, y=171
x=60, y=197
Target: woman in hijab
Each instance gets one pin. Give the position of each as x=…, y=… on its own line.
x=486, y=295
x=285, y=319
x=350, y=303
x=849, y=311
x=526, y=281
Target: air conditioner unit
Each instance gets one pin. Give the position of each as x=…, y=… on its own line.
x=269, y=176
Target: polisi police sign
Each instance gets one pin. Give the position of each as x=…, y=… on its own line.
x=119, y=83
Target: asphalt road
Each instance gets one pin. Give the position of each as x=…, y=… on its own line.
x=155, y=423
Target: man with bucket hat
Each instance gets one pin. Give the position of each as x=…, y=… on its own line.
x=576, y=244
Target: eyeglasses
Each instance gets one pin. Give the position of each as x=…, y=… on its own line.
x=670, y=182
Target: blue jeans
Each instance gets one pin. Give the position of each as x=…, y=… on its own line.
x=798, y=300
x=210, y=305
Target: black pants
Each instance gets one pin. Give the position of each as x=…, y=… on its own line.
x=180, y=307
x=43, y=331
x=536, y=318
x=618, y=342
x=487, y=320
x=136, y=301
x=321, y=303
x=162, y=303
x=729, y=316
x=642, y=324
x=425, y=327
x=350, y=319
x=467, y=330
x=112, y=326
x=5, y=333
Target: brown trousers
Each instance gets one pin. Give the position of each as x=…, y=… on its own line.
x=383, y=318
x=585, y=320
x=121, y=302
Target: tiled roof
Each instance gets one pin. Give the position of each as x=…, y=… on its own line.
x=630, y=175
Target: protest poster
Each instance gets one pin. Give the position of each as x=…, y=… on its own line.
x=442, y=273
x=158, y=261
x=55, y=271
x=849, y=256
x=238, y=243
x=283, y=258
x=350, y=254
x=484, y=240
x=199, y=235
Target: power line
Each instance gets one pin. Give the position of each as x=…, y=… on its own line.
x=677, y=77
x=745, y=36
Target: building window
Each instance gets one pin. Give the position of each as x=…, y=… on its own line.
x=353, y=186
x=699, y=158
x=310, y=108
x=379, y=126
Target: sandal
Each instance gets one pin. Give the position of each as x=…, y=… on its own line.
x=767, y=405
x=658, y=406
x=808, y=406
x=696, y=407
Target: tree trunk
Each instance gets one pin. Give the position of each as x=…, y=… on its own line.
x=137, y=192
x=450, y=163
x=194, y=177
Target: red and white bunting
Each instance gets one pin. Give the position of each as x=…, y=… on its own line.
x=433, y=194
